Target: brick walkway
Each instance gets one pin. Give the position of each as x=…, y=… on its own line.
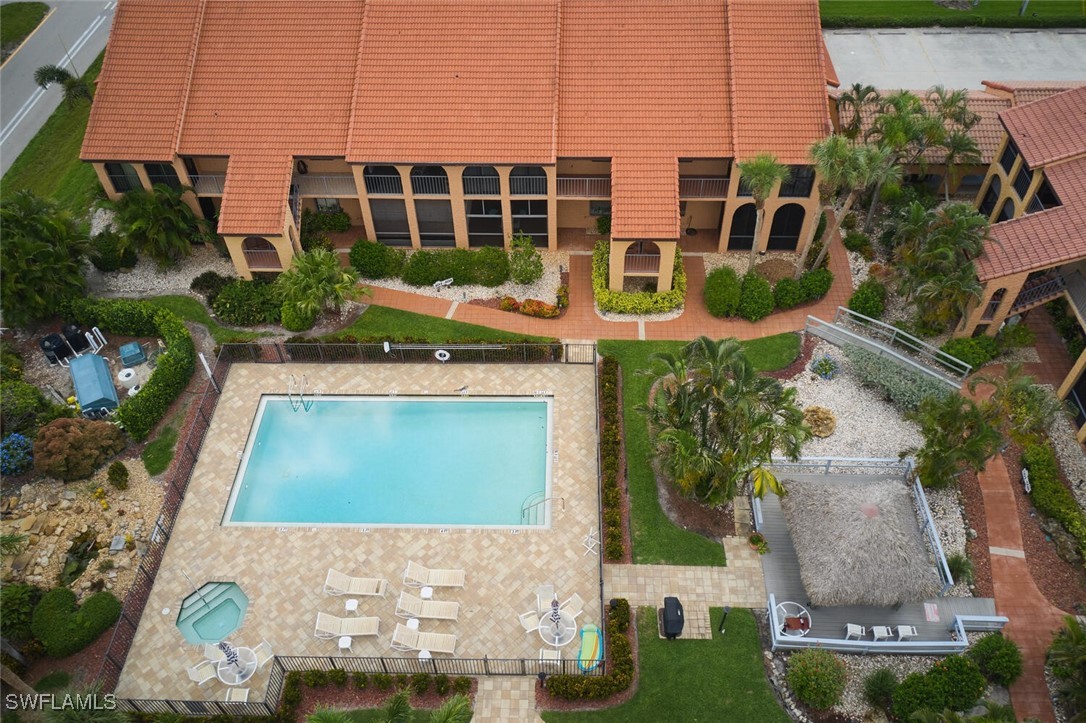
x=582, y=322
x=500, y=699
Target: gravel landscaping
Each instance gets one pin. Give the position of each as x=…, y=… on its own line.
x=1070, y=455
x=738, y=260
x=146, y=279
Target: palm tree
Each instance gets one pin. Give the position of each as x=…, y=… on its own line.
x=716, y=421
x=315, y=281
x=1027, y=406
x=158, y=222
x=41, y=258
x=960, y=148
x=947, y=297
x=1067, y=657
x=456, y=709
x=857, y=100
x=952, y=108
x=831, y=158
x=958, y=435
x=761, y=174
x=76, y=87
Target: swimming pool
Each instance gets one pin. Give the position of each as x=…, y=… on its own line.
x=394, y=461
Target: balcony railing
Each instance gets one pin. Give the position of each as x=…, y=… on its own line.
x=384, y=185
x=527, y=186
x=708, y=187
x=482, y=186
x=430, y=185
x=335, y=184
x=642, y=264
x=208, y=184
x=584, y=187
x=1042, y=289
x=263, y=259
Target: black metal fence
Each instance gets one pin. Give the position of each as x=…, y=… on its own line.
x=340, y=353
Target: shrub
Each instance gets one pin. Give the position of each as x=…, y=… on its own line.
x=71, y=449
x=619, y=673
x=620, y=615
x=64, y=629
x=294, y=319
x=911, y=695
x=210, y=284
x=140, y=414
x=816, y=283
x=998, y=658
x=420, y=683
x=788, y=293
x=491, y=266
x=848, y=222
x=508, y=303
x=382, y=681
x=859, y=243
x=461, y=685
x=825, y=366
x=11, y=363
x=110, y=252
x=1049, y=495
x=541, y=309
x=373, y=260
x=904, y=387
x=562, y=295
x=644, y=302
x=423, y=268
x=525, y=262
x=16, y=454
x=315, y=678
x=816, y=677
x=360, y=680
x=961, y=568
x=18, y=601
x=23, y=408
x=976, y=352
x=247, y=303
x=755, y=298
x=118, y=475
x=1015, y=336
x=337, y=676
x=869, y=299
x=957, y=682
x=442, y=684
x=879, y=688
x=721, y=292
x=603, y=225
x=614, y=545
x=106, y=564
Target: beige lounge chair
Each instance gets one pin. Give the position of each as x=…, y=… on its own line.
x=329, y=626
x=202, y=672
x=263, y=653
x=574, y=606
x=405, y=639
x=338, y=583
x=417, y=575
x=410, y=606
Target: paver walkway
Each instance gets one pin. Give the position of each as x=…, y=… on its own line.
x=501, y=699
x=582, y=322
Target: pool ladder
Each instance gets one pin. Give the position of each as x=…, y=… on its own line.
x=533, y=505
x=296, y=397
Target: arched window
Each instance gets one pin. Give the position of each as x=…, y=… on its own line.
x=481, y=181
x=429, y=181
x=642, y=257
x=784, y=233
x=1006, y=211
x=528, y=181
x=741, y=237
x=382, y=180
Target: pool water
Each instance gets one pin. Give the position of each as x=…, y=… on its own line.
x=399, y=461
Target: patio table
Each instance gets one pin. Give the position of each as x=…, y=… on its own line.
x=557, y=635
x=232, y=674
x=795, y=620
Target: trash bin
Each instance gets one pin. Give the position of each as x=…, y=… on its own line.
x=673, y=618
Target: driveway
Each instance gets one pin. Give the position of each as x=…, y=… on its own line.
x=918, y=58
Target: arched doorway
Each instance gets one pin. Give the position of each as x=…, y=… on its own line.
x=260, y=253
x=741, y=236
x=642, y=257
x=784, y=233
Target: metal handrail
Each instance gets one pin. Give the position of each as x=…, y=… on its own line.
x=584, y=186
x=430, y=185
x=1047, y=287
x=527, y=186
x=333, y=184
x=933, y=538
x=896, y=337
x=482, y=186
x=208, y=184
x=265, y=259
x=384, y=184
x=528, y=508
x=641, y=263
x=703, y=187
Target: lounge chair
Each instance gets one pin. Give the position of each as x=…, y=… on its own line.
x=213, y=653
x=529, y=621
x=329, y=626
x=858, y=630
x=547, y=656
x=405, y=639
x=338, y=583
x=237, y=695
x=543, y=596
x=263, y=653
x=410, y=606
x=574, y=606
x=417, y=575
x=202, y=672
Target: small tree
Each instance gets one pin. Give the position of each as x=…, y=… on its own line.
x=158, y=223
x=1067, y=657
x=315, y=281
x=71, y=449
x=761, y=175
x=1027, y=407
x=525, y=262
x=76, y=87
x=853, y=105
x=958, y=435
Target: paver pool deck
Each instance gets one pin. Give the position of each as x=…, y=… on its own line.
x=282, y=570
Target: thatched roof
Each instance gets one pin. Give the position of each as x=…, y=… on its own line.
x=858, y=543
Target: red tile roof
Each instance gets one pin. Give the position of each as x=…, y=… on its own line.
x=1050, y=129
x=1027, y=91
x=254, y=197
x=831, y=72
x=645, y=198
x=140, y=93
x=1046, y=238
x=456, y=81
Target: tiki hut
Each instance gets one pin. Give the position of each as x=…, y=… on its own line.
x=859, y=543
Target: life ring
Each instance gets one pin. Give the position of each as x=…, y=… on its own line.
x=442, y=356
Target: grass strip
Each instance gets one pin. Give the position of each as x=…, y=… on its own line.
x=158, y=453
x=925, y=13
x=396, y=324
x=18, y=20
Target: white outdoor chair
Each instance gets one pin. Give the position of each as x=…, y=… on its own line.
x=905, y=631
x=529, y=621
x=881, y=632
x=550, y=657
x=202, y=672
x=858, y=630
x=263, y=653
x=591, y=541
x=543, y=596
x=213, y=653
x=237, y=695
x=574, y=606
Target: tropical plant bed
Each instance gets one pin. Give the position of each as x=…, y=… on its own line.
x=349, y=696
x=976, y=544
x=537, y=308
x=545, y=701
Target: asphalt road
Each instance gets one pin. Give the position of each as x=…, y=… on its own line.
x=915, y=59
x=76, y=31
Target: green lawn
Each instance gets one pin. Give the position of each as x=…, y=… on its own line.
x=655, y=539
x=50, y=166
x=191, y=309
x=695, y=680
x=995, y=13
x=394, y=324
x=17, y=20
x=158, y=453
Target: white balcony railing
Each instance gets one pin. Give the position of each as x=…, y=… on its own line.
x=584, y=187
x=263, y=259
x=642, y=264
x=208, y=184
x=528, y=186
x=334, y=184
x=430, y=185
x=708, y=187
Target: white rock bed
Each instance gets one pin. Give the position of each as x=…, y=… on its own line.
x=543, y=289
x=1070, y=456
x=662, y=316
x=146, y=280
x=858, y=266
x=738, y=260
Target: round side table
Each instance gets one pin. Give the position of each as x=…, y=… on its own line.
x=351, y=606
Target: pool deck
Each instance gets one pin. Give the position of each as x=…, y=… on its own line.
x=282, y=570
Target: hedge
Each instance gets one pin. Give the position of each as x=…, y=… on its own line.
x=642, y=302
x=902, y=386
x=721, y=292
x=173, y=370
x=489, y=266
x=614, y=539
x=832, y=21
x=1048, y=493
x=64, y=629
x=976, y=351
x=373, y=260
x=755, y=297
x=954, y=682
x=620, y=665
x=247, y=303
x=869, y=299
x=788, y=293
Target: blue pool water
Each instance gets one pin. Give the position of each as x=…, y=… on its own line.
x=433, y=461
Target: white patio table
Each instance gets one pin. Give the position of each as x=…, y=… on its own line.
x=236, y=674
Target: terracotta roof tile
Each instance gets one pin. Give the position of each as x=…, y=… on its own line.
x=1044, y=239
x=254, y=199
x=645, y=198
x=1027, y=91
x=1050, y=129
x=457, y=81
x=779, y=81
x=141, y=87
x=831, y=72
